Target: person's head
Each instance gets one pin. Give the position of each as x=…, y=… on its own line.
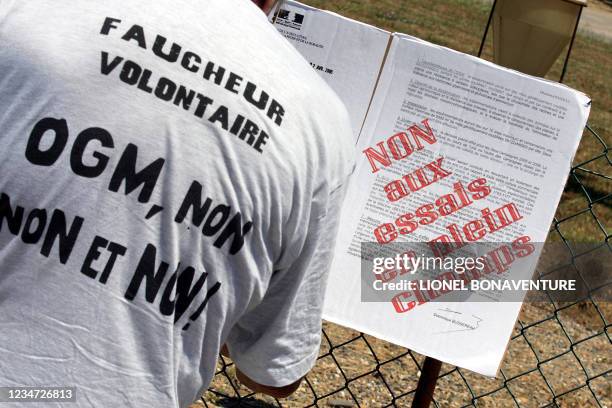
x=265, y=5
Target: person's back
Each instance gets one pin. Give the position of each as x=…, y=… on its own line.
x=170, y=176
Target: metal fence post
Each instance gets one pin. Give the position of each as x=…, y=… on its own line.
x=427, y=383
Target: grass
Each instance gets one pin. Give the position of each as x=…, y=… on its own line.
x=459, y=24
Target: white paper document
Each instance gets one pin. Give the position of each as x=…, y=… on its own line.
x=453, y=151
x=346, y=53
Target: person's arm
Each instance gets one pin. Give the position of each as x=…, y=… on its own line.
x=276, y=343
x=276, y=392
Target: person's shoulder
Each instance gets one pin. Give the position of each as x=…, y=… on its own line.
x=312, y=109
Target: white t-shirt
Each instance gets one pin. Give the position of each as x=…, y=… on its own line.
x=170, y=178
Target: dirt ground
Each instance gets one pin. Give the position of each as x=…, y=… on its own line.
x=554, y=350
